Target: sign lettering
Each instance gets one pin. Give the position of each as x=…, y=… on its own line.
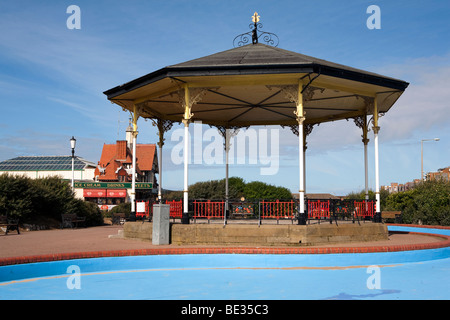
x=113, y=185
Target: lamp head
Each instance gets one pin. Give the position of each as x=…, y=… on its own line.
x=73, y=142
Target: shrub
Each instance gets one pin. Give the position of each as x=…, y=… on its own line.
x=29, y=199
x=85, y=209
x=121, y=208
x=428, y=203
x=55, y=196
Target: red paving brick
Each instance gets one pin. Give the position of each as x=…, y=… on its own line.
x=50, y=245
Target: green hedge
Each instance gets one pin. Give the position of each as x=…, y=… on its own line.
x=28, y=199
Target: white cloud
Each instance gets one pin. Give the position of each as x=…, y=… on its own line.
x=86, y=111
x=90, y=62
x=30, y=142
x=424, y=104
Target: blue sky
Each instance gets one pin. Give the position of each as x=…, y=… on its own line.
x=52, y=79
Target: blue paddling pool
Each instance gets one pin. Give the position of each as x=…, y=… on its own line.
x=415, y=274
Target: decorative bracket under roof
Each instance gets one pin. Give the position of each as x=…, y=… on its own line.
x=255, y=35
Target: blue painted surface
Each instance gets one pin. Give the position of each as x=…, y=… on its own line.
x=418, y=229
x=418, y=274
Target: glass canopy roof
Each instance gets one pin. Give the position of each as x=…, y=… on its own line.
x=43, y=163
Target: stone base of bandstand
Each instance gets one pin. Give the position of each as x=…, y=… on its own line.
x=261, y=235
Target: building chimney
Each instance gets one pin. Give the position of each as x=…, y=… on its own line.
x=121, y=149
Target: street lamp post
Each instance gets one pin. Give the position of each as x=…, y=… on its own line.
x=73, y=143
x=421, y=154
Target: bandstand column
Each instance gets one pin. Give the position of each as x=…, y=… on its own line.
x=163, y=126
x=366, y=170
x=160, y=146
x=300, y=119
x=229, y=133
x=188, y=97
x=186, y=120
x=362, y=123
x=133, y=172
x=307, y=129
x=227, y=154
x=376, y=129
x=365, y=141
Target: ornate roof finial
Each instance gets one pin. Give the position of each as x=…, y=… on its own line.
x=255, y=17
x=268, y=37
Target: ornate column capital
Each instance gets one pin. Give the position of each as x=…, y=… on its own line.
x=300, y=117
x=376, y=129
x=186, y=122
x=190, y=96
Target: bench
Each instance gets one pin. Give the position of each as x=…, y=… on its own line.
x=10, y=224
x=241, y=210
x=71, y=220
x=395, y=215
x=118, y=218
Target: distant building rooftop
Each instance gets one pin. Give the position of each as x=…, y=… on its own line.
x=44, y=163
x=116, y=162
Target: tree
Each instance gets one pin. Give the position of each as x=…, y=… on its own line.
x=362, y=196
x=237, y=188
x=53, y=196
x=16, y=196
x=427, y=203
x=215, y=189
x=259, y=190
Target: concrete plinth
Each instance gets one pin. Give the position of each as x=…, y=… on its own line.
x=264, y=235
x=161, y=223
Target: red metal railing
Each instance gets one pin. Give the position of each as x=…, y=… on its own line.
x=318, y=209
x=176, y=208
x=209, y=209
x=277, y=209
x=365, y=209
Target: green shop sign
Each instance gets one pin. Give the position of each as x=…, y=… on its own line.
x=113, y=185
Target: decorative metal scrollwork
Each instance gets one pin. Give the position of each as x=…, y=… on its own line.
x=163, y=126
x=256, y=35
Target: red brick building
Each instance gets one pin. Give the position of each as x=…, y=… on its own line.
x=116, y=162
x=441, y=174
x=113, y=175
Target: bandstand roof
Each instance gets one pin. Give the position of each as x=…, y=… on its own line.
x=249, y=85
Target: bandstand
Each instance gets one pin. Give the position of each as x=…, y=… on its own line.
x=259, y=84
